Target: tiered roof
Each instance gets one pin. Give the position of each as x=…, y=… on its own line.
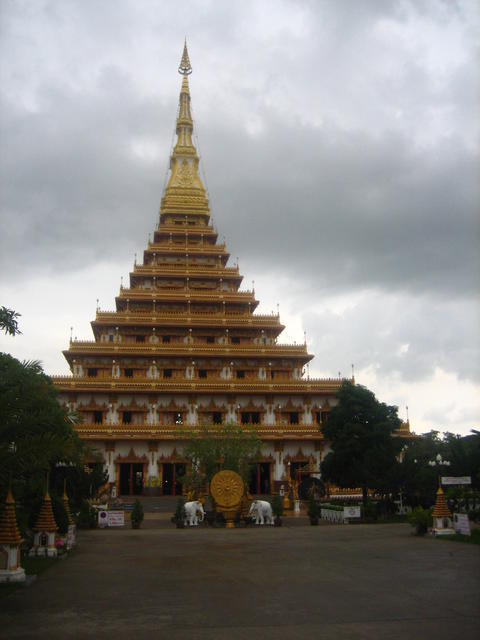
x=9, y=533
x=46, y=519
x=441, y=509
x=66, y=505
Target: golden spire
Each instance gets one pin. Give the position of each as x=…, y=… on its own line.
x=185, y=67
x=46, y=519
x=441, y=509
x=9, y=533
x=185, y=193
x=65, y=503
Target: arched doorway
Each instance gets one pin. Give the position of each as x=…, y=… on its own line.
x=172, y=473
x=261, y=478
x=130, y=474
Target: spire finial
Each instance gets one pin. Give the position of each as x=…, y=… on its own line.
x=185, y=68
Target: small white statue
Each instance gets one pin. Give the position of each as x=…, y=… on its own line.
x=261, y=510
x=192, y=511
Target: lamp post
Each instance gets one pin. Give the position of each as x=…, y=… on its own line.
x=438, y=461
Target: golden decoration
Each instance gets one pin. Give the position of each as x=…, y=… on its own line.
x=227, y=490
x=184, y=175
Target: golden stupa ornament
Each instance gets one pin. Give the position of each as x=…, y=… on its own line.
x=227, y=490
x=184, y=194
x=185, y=68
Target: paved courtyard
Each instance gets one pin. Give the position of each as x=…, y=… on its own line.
x=299, y=582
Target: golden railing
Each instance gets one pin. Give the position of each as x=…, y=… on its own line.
x=161, y=247
x=184, y=294
x=129, y=385
x=193, y=317
x=192, y=269
x=174, y=432
x=191, y=349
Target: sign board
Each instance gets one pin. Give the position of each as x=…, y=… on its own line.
x=351, y=512
x=111, y=519
x=461, y=523
x=456, y=480
x=116, y=518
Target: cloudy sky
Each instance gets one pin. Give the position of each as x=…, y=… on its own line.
x=340, y=144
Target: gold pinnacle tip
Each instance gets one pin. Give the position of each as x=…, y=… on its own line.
x=185, y=67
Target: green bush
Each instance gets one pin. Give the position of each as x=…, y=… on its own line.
x=277, y=506
x=180, y=513
x=136, y=516
x=420, y=519
x=60, y=515
x=313, y=510
x=370, y=510
x=86, y=518
x=474, y=515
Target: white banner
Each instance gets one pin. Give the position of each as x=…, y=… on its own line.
x=111, y=519
x=116, y=518
x=351, y=512
x=461, y=523
x=456, y=480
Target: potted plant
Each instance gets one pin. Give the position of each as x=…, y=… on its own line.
x=277, y=509
x=313, y=510
x=180, y=514
x=136, y=517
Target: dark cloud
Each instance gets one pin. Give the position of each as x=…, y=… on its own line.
x=339, y=140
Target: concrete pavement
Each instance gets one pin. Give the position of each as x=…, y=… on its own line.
x=362, y=581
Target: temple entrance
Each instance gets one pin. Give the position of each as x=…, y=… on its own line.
x=308, y=485
x=131, y=479
x=260, y=478
x=171, y=478
x=294, y=468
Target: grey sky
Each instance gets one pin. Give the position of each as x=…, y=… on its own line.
x=340, y=146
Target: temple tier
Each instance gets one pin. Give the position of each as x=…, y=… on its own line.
x=184, y=349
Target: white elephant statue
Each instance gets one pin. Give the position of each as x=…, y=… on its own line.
x=261, y=510
x=192, y=511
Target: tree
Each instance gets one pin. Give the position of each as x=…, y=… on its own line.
x=8, y=321
x=228, y=446
x=36, y=436
x=364, y=453
x=420, y=478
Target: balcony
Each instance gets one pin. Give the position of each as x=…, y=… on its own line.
x=174, y=432
x=191, y=349
x=325, y=386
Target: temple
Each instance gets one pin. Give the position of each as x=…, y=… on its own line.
x=184, y=348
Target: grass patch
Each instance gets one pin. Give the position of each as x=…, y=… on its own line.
x=36, y=564
x=458, y=537
x=33, y=566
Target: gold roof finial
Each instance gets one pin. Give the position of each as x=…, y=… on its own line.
x=184, y=194
x=185, y=68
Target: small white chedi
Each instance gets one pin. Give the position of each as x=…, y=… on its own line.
x=45, y=530
x=442, y=517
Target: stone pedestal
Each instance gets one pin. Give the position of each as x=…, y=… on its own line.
x=10, y=569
